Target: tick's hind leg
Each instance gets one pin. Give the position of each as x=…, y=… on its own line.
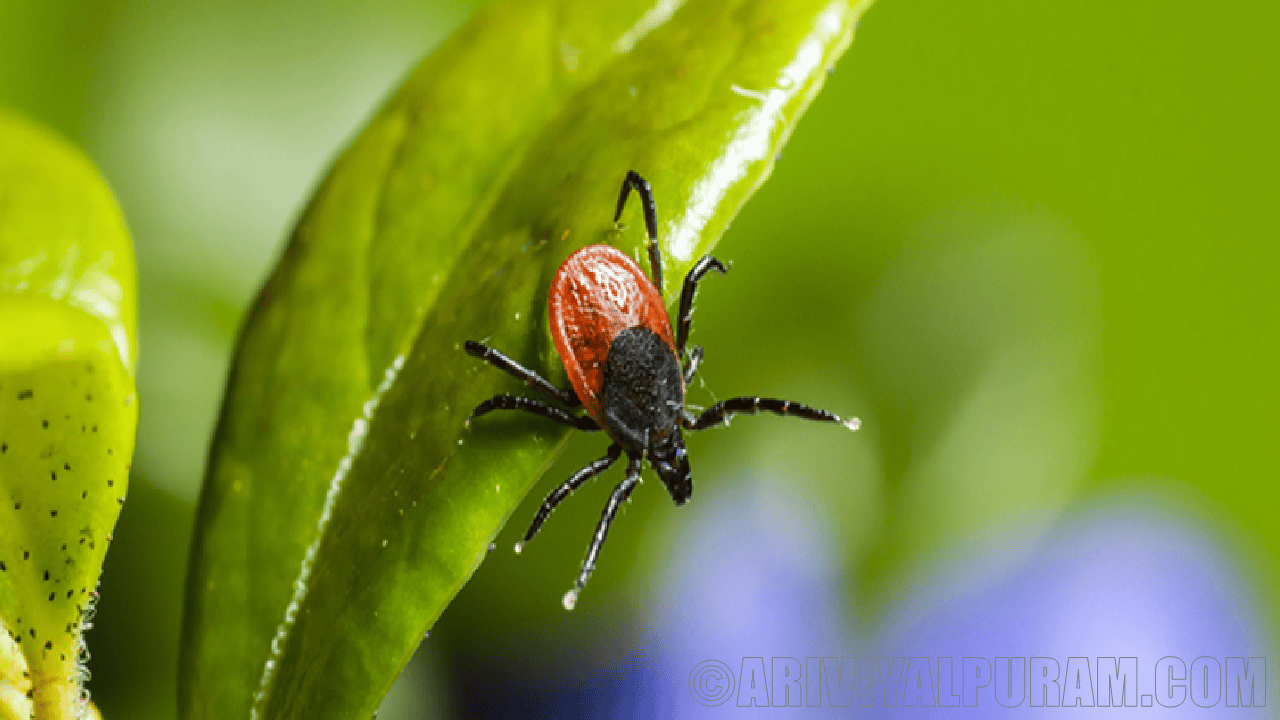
x=722, y=411
x=685, y=316
x=566, y=397
x=641, y=186
x=619, y=496
x=568, y=486
x=537, y=407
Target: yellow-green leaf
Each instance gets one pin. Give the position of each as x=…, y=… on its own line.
x=67, y=408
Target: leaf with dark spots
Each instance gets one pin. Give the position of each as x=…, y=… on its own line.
x=66, y=306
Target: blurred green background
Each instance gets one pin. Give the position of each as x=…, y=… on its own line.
x=1033, y=245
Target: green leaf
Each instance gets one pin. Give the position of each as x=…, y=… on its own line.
x=345, y=502
x=67, y=408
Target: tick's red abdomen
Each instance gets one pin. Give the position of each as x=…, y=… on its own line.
x=597, y=293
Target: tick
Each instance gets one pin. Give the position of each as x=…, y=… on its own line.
x=629, y=373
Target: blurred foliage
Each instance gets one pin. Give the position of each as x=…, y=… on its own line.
x=966, y=148
x=68, y=411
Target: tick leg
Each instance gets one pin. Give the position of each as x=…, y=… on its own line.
x=568, y=486
x=722, y=411
x=633, y=180
x=691, y=369
x=704, y=265
x=537, y=407
x=619, y=496
x=521, y=373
